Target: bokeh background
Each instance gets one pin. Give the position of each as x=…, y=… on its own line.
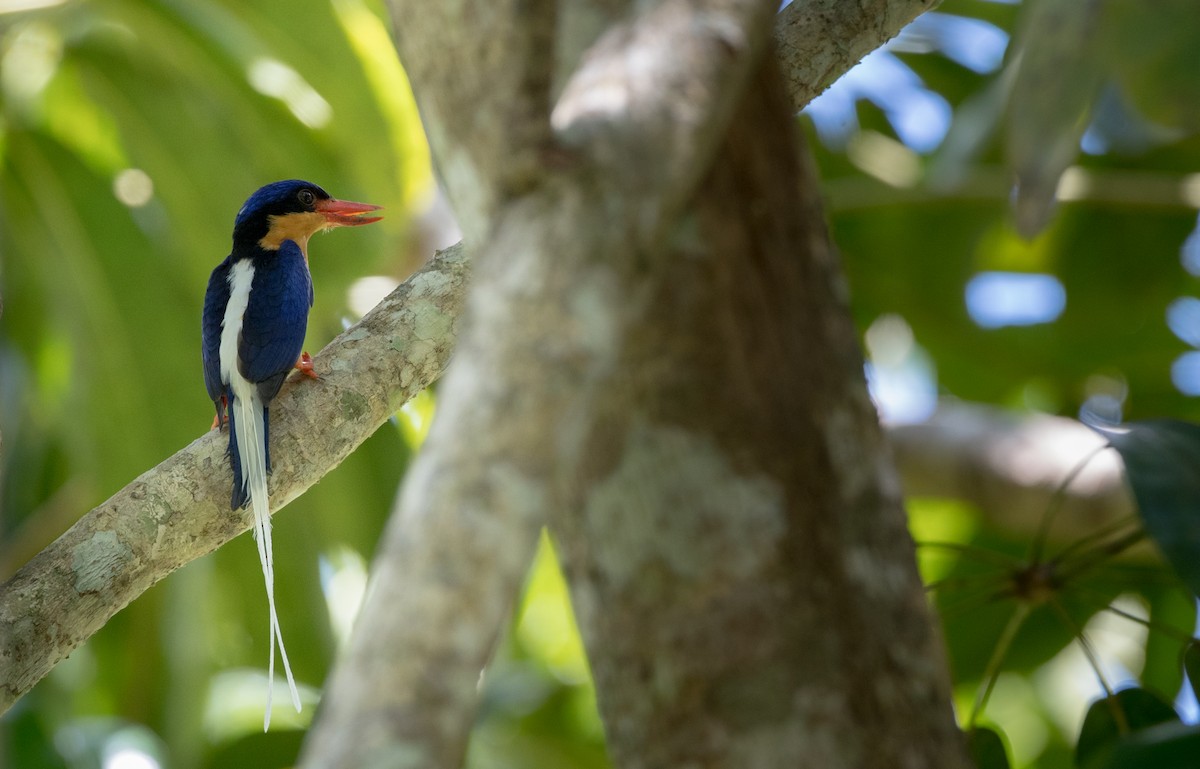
x=132, y=130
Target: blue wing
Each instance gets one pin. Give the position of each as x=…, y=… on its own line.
x=275, y=320
x=215, y=300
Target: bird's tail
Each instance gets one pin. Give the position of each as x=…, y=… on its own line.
x=250, y=428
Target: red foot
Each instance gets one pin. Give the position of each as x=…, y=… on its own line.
x=218, y=420
x=305, y=366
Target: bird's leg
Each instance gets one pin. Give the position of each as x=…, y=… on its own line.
x=219, y=419
x=305, y=366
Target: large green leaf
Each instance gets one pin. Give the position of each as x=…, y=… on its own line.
x=1110, y=719
x=1162, y=462
x=1167, y=746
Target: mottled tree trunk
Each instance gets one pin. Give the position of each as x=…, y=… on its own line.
x=735, y=542
x=657, y=359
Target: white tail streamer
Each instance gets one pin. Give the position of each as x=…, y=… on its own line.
x=250, y=432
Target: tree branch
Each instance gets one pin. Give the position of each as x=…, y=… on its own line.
x=819, y=40
x=652, y=98
x=1012, y=466
x=179, y=510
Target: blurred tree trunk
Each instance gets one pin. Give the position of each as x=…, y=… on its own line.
x=735, y=540
x=657, y=360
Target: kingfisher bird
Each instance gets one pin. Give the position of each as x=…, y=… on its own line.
x=255, y=317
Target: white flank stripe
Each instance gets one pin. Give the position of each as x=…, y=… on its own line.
x=249, y=432
x=241, y=276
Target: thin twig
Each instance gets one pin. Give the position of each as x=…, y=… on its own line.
x=1099, y=554
x=1103, y=604
x=992, y=671
x=1056, y=503
x=965, y=581
x=1118, y=715
x=1099, y=534
x=983, y=554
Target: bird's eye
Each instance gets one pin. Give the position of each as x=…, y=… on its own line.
x=306, y=197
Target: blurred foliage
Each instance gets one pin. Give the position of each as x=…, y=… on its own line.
x=131, y=131
x=1090, y=107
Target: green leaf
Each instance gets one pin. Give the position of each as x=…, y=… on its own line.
x=987, y=749
x=1162, y=458
x=1166, y=746
x=1110, y=720
x=1191, y=664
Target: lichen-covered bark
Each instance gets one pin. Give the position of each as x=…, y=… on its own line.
x=179, y=510
x=818, y=40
